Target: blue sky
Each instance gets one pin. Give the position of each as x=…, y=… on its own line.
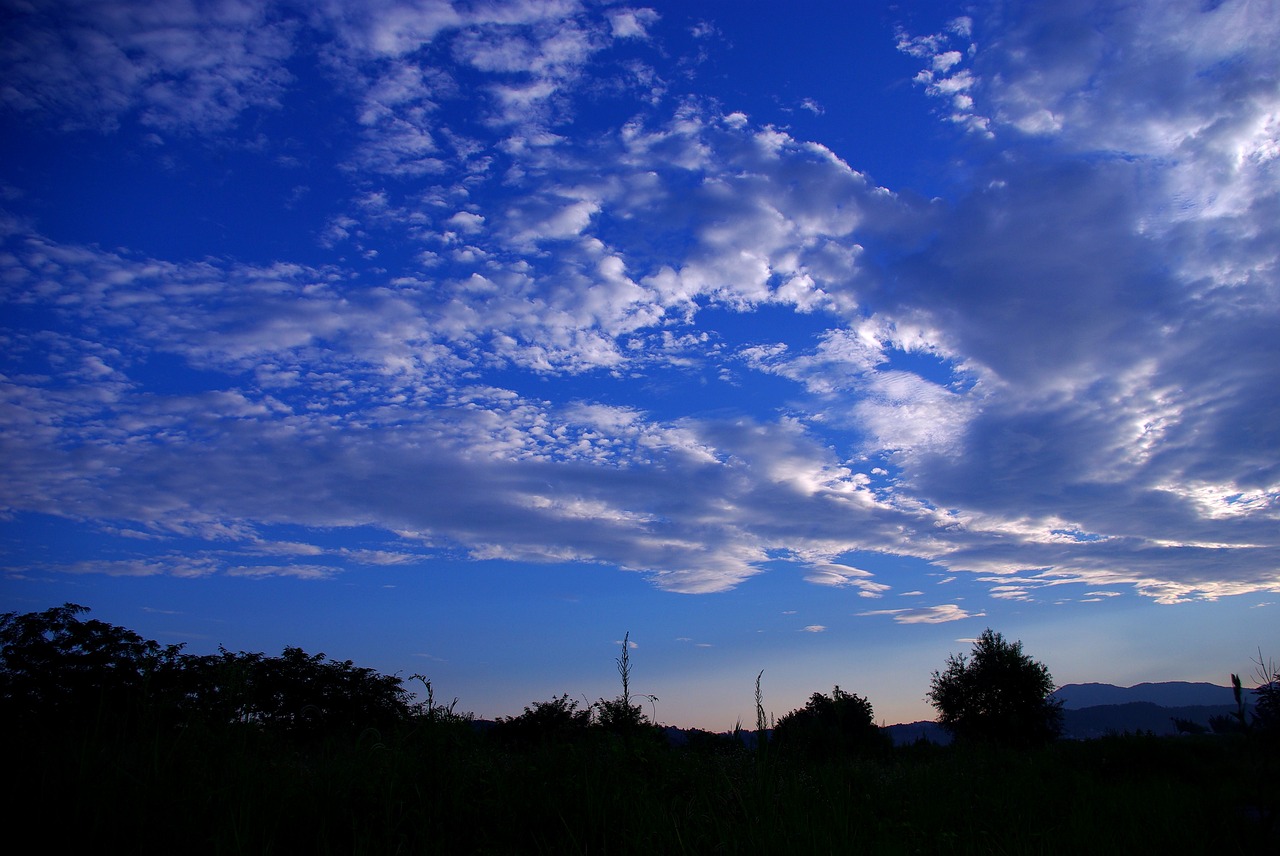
x=464, y=338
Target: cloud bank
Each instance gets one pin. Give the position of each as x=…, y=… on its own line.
x=524, y=329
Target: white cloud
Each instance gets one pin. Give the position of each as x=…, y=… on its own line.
x=632, y=23
x=298, y=571
x=927, y=615
x=812, y=106
x=178, y=566
x=393, y=28
x=174, y=66
x=942, y=78
x=381, y=557
x=944, y=61
x=465, y=221
x=902, y=411
x=836, y=575
x=1187, y=85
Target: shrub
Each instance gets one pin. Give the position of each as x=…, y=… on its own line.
x=554, y=721
x=620, y=715
x=839, y=724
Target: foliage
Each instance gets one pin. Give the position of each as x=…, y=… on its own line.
x=618, y=716
x=554, y=721
x=431, y=711
x=1187, y=726
x=764, y=723
x=56, y=667
x=829, y=726
x=295, y=691
x=1236, y=722
x=1265, y=717
x=621, y=715
x=999, y=695
x=1266, y=711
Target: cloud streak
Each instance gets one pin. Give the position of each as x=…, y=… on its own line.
x=942, y=614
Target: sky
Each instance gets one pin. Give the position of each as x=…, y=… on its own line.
x=463, y=339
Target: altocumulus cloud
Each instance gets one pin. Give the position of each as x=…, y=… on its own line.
x=1066, y=372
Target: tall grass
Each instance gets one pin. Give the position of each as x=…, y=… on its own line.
x=442, y=787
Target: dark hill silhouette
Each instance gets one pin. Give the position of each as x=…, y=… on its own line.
x=911, y=732
x=1134, y=717
x=1165, y=694
x=1095, y=710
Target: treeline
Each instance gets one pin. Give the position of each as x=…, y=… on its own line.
x=58, y=668
x=116, y=742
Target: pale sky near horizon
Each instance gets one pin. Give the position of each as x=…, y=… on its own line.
x=463, y=338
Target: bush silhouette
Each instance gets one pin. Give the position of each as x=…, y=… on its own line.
x=997, y=695
x=556, y=721
x=838, y=724
x=620, y=715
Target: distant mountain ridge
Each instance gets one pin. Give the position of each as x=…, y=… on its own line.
x=1137, y=717
x=1164, y=694
x=1094, y=710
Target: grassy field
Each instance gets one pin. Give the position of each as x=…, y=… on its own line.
x=441, y=787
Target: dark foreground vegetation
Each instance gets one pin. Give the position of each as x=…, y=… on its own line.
x=116, y=744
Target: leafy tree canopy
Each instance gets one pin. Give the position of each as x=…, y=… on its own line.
x=56, y=667
x=295, y=691
x=837, y=724
x=996, y=694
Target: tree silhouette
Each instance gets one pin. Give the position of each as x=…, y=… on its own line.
x=997, y=695
x=827, y=726
x=59, y=669
x=295, y=692
x=56, y=668
x=556, y=721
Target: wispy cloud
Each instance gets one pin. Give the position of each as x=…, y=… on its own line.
x=926, y=615
x=836, y=575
